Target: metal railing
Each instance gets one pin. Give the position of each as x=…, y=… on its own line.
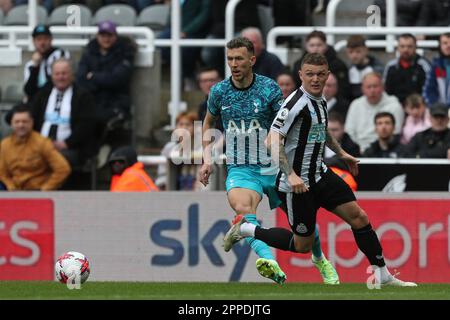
x=290, y=31
x=391, y=21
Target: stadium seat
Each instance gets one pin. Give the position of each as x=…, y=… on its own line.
x=121, y=14
x=13, y=93
x=2, y=16
x=59, y=16
x=265, y=18
x=19, y=16
x=155, y=17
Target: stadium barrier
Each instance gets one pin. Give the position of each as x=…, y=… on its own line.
x=375, y=174
x=170, y=236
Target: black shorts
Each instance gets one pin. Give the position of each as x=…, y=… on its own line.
x=301, y=208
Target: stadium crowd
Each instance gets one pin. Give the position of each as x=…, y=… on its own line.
x=399, y=109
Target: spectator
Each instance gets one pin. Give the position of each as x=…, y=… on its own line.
x=335, y=102
x=127, y=173
x=388, y=144
x=316, y=42
x=182, y=146
x=39, y=69
x=267, y=64
x=105, y=70
x=64, y=112
x=437, y=84
x=408, y=12
x=207, y=77
x=244, y=17
x=361, y=63
x=194, y=24
x=418, y=117
x=359, y=123
x=29, y=161
x=435, y=141
x=406, y=74
x=286, y=83
x=434, y=13
x=336, y=129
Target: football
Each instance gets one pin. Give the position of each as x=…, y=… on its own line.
x=72, y=266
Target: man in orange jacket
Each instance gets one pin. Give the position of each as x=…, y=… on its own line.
x=128, y=173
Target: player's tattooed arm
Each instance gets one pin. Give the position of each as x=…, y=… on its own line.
x=275, y=144
x=284, y=164
x=351, y=161
x=332, y=143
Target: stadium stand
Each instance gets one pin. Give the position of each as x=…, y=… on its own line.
x=121, y=14
x=59, y=16
x=19, y=16
x=155, y=17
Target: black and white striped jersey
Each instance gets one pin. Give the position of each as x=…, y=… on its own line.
x=303, y=122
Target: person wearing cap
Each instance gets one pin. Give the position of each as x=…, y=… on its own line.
x=39, y=69
x=105, y=70
x=435, y=141
x=128, y=174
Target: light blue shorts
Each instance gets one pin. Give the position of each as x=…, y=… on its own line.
x=252, y=179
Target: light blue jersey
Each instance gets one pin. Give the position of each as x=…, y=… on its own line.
x=247, y=115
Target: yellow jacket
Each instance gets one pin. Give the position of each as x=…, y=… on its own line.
x=32, y=164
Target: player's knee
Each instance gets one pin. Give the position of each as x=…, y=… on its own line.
x=359, y=219
x=242, y=209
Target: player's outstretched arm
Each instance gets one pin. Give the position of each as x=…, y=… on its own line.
x=351, y=161
x=275, y=144
x=206, y=169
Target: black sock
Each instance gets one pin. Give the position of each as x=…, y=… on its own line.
x=368, y=243
x=279, y=238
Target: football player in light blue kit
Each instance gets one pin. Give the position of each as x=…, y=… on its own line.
x=248, y=103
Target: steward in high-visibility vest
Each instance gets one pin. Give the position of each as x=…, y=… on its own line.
x=128, y=173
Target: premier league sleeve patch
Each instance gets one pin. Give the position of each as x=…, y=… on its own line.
x=281, y=118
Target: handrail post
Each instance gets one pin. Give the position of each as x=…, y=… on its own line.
x=175, y=63
x=391, y=12
x=32, y=19
x=229, y=26
x=331, y=19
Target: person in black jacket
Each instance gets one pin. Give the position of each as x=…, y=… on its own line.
x=387, y=145
x=38, y=71
x=105, y=70
x=435, y=141
x=316, y=42
x=267, y=64
x=64, y=112
x=406, y=74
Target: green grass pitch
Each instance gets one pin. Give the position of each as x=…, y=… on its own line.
x=216, y=291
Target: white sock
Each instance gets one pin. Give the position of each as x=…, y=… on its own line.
x=248, y=230
x=383, y=275
x=316, y=259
